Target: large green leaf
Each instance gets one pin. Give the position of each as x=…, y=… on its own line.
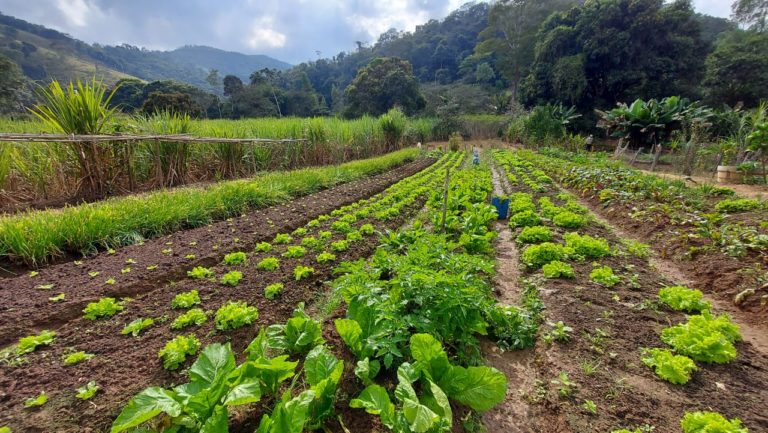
x=290, y=416
x=218, y=422
x=258, y=347
x=273, y=371
x=375, y=400
x=319, y=365
x=144, y=406
x=420, y=418
x=350, y=331
x=244, y=393
x=430, y=356
x=480, y=388
x=436, y=400
x=214, y=362
x=367, y=369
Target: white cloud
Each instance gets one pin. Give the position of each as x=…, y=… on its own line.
x=77, y=12
x=718, y=8
x=263, y=35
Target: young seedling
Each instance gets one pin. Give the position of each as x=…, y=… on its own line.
x=88, y=391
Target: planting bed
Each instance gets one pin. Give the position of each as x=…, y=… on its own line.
x=588, y=371
x=124, y=364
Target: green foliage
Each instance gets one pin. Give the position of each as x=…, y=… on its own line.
x=704, y=338
x=87, y=391
x=340, y=246
x=235, y=314
x=521, y=202
x=673, y=368
x=135, y=327
x=104, y=307
x=199, y=273
x=586, y=246
x=710, y=422
x=295, y=252
x=175, y=351
x=737, y=205
x=273, y=290
x=303, y=272
x=527, y=218
x=354, y=236
x=392, y=125
x=534, y=235
x=77, y=357
x=737, y=69
x=384, y=83
x=341, y=226
x=310, y=242
x=536, y=256
x=569, y=220
x=282, y=239
x=604, y=275
x=268, y=264
x=558, y=269
x=325, y=257
x=299, y=335
x=80, y=108
x=195, y=316
x=263, y=247
x=560, y=332
x=236, y=258
x=38, y=401
x=231, y=278
x=32, y=342
x=636, y=248
x=186, y=299
x=366, y=229
x=682, y=298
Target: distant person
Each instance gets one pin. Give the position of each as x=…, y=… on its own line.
x=589, y=142
x=475, y=156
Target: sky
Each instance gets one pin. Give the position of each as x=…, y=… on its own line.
x=289, y=30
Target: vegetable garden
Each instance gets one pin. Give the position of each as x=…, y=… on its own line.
x=388, y=295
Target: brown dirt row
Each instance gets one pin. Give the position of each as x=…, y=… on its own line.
x=124, y=365
x=602, y=358
x=24, y=307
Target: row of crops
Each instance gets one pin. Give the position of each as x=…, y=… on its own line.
x=608, y=286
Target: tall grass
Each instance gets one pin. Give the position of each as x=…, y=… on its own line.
x=36, y=237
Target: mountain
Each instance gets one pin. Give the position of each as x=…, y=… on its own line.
x=44, y=54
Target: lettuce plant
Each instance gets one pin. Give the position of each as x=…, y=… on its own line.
x=704, y=338
x=186, y=299
x=325, y=257
x=263, y=247
x=706, y=422
x=231, y=278
x=236, y=258
x=87, y=391
x=135, y=327
x=77, y=357
x=536, y=256
x=681, y=298
x=558, y=269
x=526, y=218
x=366, y=229
x=273, y=290
x=38, y=401
x=175, y=351
x=569, y=220
x=104, y=307
x=235, y=314
x=673, y=368
x=295, y=252
x=604, y=276
x=195, y=316
x=586, y=246
x=199, y=273
x=534, y=235
x=303, y=272
x=32, y=342
x=268, y=264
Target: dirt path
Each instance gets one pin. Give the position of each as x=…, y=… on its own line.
x=759, y=192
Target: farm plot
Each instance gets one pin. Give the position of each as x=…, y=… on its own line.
x=719, y=240
x=623, y=347
x=260, y=282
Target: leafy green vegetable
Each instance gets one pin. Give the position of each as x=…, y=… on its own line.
x=527, y=218
x=586, y=246
x=289, y=415
x=704, y=338
x=263, y=247
x=367, y=369
x=366, y=229
x=558, y=269
x=195, y=316
x=104, y=307
x=325, y=257
x=231, y=278
x=273, y=290
x=534, y=235
x=186, y=299
x=340, y=246
x=268, y=264
x=32, y=342
x=299, y=334
x=570, y=220
x=236, y=258
x=282, y=239
x=324, y=235
x=88, y=391
x=710, y=422
x=38, y=401
x=199, y=273
x=682, y=298
x=536, y=256
x=295, y=252
x=176, y=351
x=58, y=298
x=135, y=327
x=675, y=369
x=737, y=205
x=310, y=242
x=235, y=314
x=303, y=272
x=77, y=357
x=603, y=275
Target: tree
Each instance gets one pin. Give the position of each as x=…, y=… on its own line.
x=511, y=35
x=601, y=53
x=484, y=73
x=751, y=13
x=11, y=83
x=737, y=70
x=177, y=103
x=213, y=78
x=232, y=85
x=385, y=83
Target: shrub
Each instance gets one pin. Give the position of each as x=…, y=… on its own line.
x=604, y=275
x=231, y=278
x=524, y=219
x=586, y=246
x=557, y=269
x=673, y=368
x=195, y=316
x=534, y=235
x=273, y=290
x=536, y=256
x=569, y=220
x=706, y=422
x=186, y=299
x=681, y=298
x=235, y=314
x=737, y=205
x=268, y=264
x=199, y=273
x=176, y=351
x=237, y=258
x=104, y=307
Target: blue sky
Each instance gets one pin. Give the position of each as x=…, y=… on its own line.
x=290, y=30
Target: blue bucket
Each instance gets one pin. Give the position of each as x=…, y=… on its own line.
x=502, y=206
